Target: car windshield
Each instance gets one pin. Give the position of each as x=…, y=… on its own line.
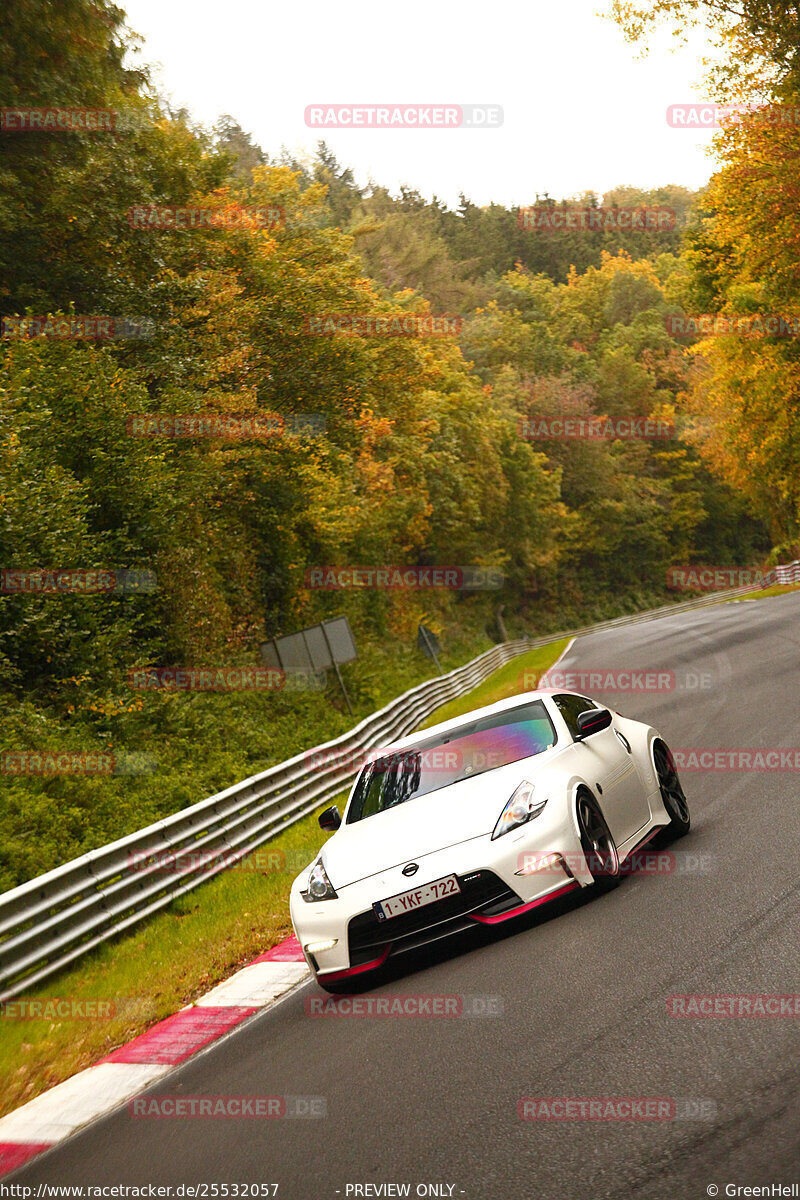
x=469, y=750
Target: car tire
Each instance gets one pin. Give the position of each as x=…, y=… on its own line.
x=597, y=842
x=672, y=792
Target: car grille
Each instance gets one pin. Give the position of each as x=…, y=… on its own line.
x=481, y=891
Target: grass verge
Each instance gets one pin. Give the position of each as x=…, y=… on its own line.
x=521, y=674
x=760, y=593
x=195, y=943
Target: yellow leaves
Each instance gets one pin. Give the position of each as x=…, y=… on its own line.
x=374, y=428
x=376, y=475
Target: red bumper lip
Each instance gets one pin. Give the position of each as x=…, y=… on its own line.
x=523, y=908
x=349, y=971
x=332, y=976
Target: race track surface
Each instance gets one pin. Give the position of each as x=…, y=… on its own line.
x=583, y=989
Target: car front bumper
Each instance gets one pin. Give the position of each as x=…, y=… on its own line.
x=499, y=880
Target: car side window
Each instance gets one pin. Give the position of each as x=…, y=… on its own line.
x=570, y=708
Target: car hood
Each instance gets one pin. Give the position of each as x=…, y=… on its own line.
x=453, y=814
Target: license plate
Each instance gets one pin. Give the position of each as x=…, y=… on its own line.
x=407, y=902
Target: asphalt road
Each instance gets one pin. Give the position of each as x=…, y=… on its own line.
x=583, y=992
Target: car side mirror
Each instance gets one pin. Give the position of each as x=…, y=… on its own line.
x=331, y=818
x=592, y=721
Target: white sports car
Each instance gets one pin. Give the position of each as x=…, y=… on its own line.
x=478, y=820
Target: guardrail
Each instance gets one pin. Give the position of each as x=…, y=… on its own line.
x=49, y=922
x=789, y=573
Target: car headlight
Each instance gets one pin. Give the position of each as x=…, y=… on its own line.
x=521, y=808
x=319, y=887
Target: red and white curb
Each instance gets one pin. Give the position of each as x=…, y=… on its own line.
x=67, y=1107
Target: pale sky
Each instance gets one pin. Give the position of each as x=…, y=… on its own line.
x=581, y=109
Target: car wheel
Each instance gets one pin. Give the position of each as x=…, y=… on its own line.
x=597, y=842
x=671, y=791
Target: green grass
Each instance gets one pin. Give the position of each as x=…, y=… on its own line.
x=173, y=958
x=198, y=941
x=198, y=743
x=520, y=675
x=760, y=593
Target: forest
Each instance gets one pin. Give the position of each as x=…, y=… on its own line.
x=222, y=367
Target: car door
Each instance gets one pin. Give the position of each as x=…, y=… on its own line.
x=607, y=764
